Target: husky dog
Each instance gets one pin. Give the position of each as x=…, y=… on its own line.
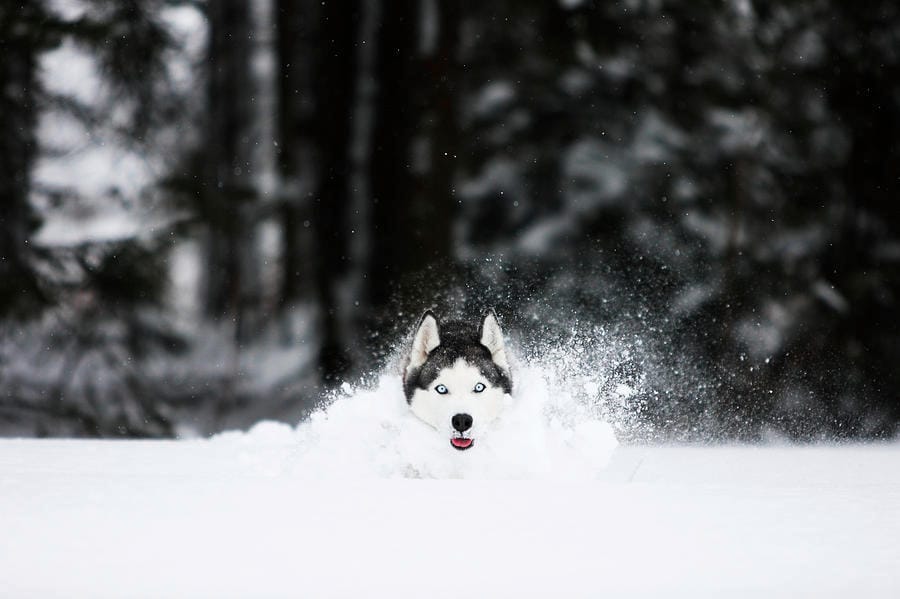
x=457, y=376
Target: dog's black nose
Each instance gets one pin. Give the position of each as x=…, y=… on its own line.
x=462, y=422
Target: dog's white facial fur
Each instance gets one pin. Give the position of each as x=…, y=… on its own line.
x=460, y=380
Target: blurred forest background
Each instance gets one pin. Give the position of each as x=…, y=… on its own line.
x=211, y=211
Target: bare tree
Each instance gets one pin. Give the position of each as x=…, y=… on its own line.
x=295, y=48
x=231, y=289
x=22, y=40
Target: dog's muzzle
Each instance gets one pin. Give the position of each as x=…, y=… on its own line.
x=461, y=423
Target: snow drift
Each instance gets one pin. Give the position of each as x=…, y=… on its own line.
x=184, y=519
x=370, y=432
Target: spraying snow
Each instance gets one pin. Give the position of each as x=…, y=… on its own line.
x=544, y=432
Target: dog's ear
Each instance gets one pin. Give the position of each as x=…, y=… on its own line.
x=426, y=339
x=492, y=338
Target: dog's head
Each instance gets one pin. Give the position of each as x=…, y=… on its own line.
x=457, y=375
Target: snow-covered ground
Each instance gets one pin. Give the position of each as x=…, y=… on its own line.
x=364, y=500
x=226, y=518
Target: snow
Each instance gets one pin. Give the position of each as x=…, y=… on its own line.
x=601, y=176
x=104, y=180
x=826, y=292
x=93, y=223
x=494, y=97
x=371, y=433
x=363, y=499
x=195, y=519
x=740, y=131
x=91, y=162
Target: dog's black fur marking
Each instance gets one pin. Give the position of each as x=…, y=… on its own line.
x=458, y=339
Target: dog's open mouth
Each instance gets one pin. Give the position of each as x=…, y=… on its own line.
x=461, y=443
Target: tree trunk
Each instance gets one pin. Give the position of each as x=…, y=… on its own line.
x=436, y=195
x=395, y=120
x=296, y=126
x=230, y=290
x=415, y=154
x=19, y=287
x=335, y=84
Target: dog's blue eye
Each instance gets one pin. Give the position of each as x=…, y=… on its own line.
x=441, y=389
x=479, y=388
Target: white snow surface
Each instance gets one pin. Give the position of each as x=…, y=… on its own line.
x=222, y=519
x=364, y=500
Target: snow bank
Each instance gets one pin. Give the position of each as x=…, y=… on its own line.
x=184, y=519
x=371, y=433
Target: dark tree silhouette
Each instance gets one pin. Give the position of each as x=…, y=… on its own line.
x=415, y=151
x=336, y=77
x=228, y=188
x=296, y=29
x=21, y=39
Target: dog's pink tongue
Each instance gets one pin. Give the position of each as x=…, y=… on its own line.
x=459, y=442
